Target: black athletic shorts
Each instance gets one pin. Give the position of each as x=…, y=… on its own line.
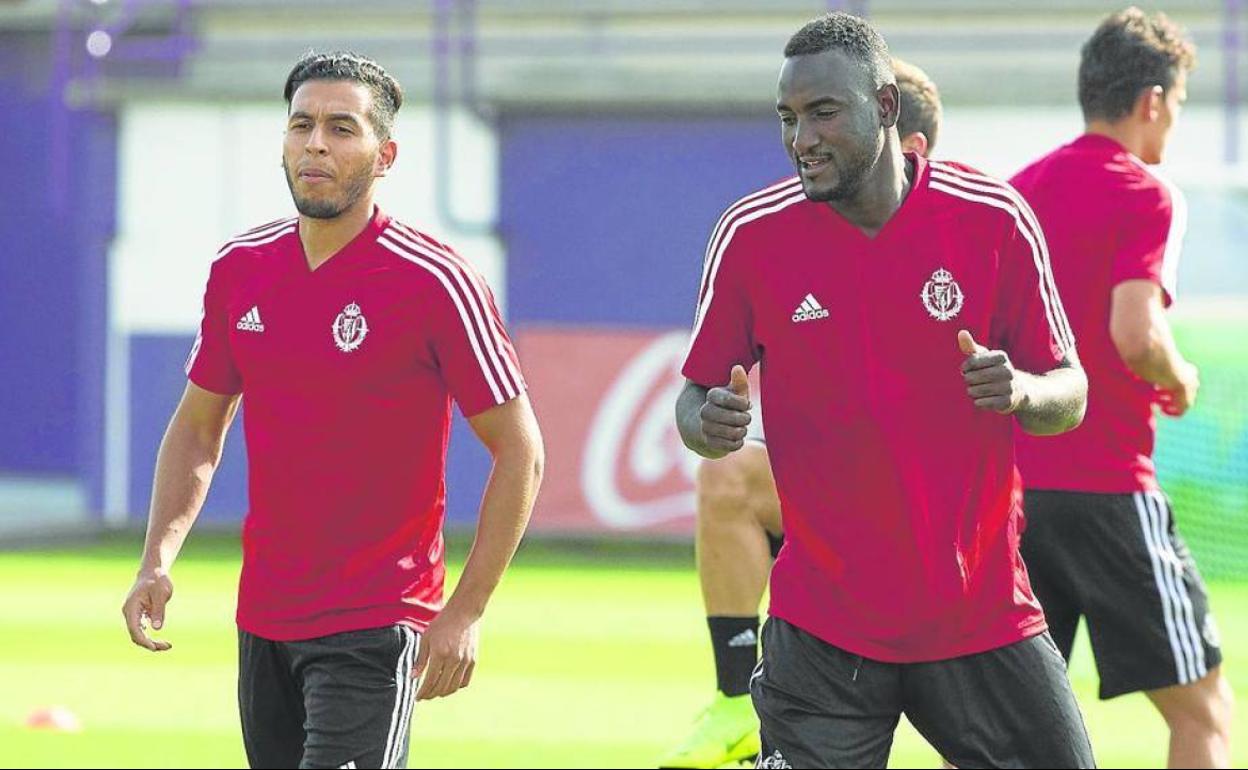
x=1118, y=561
x=343, y=700
x=820, y=706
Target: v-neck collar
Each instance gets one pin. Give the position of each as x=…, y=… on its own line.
x=900, y=220
x=372, y=229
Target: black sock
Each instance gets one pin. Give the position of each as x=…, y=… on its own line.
x=735, y=642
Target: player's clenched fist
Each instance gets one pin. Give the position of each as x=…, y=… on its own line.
x=726, y=413
x=991, y=380
x=1175, y=401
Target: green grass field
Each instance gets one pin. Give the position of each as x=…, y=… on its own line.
x=592, y=657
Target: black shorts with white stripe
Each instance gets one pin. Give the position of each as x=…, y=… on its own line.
x=343, y=700
x=1117, y=560
x=822, y=706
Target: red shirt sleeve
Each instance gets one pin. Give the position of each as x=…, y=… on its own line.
x=470, y=345
x=723, y=327
x=1150, y=238
x=210, y=364
x=1030, y=323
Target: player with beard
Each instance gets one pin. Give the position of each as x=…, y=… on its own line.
x=860, y=287
x=349, y=333
x=739, y=531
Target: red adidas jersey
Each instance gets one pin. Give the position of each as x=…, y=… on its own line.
x=347, y=373
x=1108, y=219
x=901, y=502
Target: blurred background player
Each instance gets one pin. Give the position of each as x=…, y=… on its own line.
x=349, y=333
x=739, y=530
x=1101, y=541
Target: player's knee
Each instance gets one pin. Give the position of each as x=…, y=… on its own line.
x=1221, y=706
x=725, y=486
x=721, y=487
x=1207, y=708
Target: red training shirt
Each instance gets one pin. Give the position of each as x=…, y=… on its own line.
x=901, y=501
x=348, y=372
x=1108, y=219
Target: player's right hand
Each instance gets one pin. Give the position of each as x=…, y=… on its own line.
x=152, y=590
x=1176, y=401
x=726, y=413
x=448, y=654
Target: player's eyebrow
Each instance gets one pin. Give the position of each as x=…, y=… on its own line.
x=823, y=101
x=346, y=117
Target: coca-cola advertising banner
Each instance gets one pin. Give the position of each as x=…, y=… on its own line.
x=606, y=399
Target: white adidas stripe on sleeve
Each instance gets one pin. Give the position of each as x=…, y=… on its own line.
x=496, y=368
x=994, y=193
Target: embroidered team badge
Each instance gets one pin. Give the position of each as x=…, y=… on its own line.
x=350, y=328
x=942, y=296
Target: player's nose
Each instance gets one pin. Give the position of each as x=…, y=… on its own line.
x=316, y=142
x=805, y=138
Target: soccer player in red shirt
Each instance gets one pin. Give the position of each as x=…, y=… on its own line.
x=1101, y=541
x=349, y=333
x=861, y=287
x=739, y=528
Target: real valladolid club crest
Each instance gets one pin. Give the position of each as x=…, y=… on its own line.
x=942, y=296
x=350, y=328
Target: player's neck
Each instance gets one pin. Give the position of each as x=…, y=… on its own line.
x=1124, y=132
x=881, y=194
x=323, y=238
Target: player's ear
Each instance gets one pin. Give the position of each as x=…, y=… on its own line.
x=1150, y=103
x=386, y=156
x=888, y=97
x=916, y=142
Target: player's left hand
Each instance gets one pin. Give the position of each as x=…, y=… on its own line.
x=991, y=380
x=448, y=654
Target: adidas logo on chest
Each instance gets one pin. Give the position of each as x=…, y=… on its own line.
x=251, y=321
x=809, y=310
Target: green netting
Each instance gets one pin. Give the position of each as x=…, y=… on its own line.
x=1202, y=459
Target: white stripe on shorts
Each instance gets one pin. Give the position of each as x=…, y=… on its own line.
x=1178, y=646
x=405, y=721
x=404, y=686
x=1174, y=563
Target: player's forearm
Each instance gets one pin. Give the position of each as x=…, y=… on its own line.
x=1156, y=359
x=505, y=509
x=689, y=420
x=1055, y=401
x=184, y=469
